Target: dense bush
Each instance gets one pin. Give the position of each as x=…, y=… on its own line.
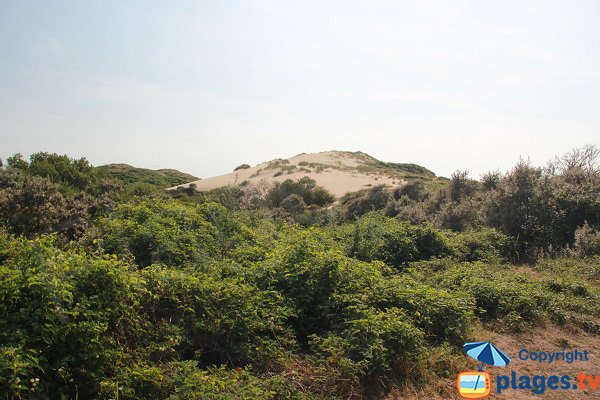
x=335, y=297
x=171, y=233
x=305, y=187
x=192, y=383
x=514, y=300
x=360, y=203
x=66, y=318
x=213, y=319
x=375, y=237
x=374, y=345
x=78, y=174
x=32, y=206
x=414, y=190
x=110, y=288
x=484, y=244
x=78, y=322
x=153, y=231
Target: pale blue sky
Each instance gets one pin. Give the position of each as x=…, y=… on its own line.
x=204, y=86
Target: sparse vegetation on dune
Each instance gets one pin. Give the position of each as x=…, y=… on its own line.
x=337, y=171
x=112, y=287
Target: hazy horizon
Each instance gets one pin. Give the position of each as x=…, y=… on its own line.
x=203, y=87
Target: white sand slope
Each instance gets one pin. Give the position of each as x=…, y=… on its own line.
x=339, y=172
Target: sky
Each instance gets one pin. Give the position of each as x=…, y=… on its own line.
x=203, y=86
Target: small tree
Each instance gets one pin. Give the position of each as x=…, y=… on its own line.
x=17, y=161
x=460, y=185
x=490, y=180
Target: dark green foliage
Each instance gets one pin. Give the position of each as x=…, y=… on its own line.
x=523, y=207
x=169, y=232
x=276, y=293
x=360, y=203
x=17, y=161
x=78, y=322
x=458, y=216
x=461, y=186
x=62, y=169
x=141, y=177
x=375, y=237
x=242, y=166
x=404, y=168
x=490, y=180
x=305, y=187
x=486, y=245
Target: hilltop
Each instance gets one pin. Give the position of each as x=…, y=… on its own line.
x=339, y=172
x=161, y=178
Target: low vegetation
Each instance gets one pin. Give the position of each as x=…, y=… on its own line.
x=108, y=291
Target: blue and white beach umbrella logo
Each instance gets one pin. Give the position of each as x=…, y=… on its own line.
x=477, y=384
x=486, y=353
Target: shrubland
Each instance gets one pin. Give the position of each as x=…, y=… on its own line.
x=280, y=292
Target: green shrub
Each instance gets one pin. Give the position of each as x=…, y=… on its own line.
x=497, y=291
x=365, y=201
x=375, y=237
x=374, y=345
x=443, y=316
x=326, y=288
x=170, y=232
x=32, y=206
x=485, y=244
x=242, y=166
x=224, y=384
x=82, y=322
x=66, y=316
x=414, y=190
x=305, y=187
x=221, y=320
x=294, y=205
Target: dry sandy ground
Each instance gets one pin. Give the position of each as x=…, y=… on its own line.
x=339, y=177
x=550, y=339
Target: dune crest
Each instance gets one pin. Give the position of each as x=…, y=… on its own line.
x=339, y=172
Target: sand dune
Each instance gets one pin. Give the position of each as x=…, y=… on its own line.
x=339, y=172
